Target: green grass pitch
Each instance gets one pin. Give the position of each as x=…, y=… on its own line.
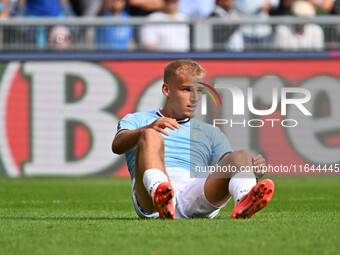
x=96, y=216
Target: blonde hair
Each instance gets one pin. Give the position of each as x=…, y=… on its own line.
x=186, y=68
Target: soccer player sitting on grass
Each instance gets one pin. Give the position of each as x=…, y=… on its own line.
x=159, y=155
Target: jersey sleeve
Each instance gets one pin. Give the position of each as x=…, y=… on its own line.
x=130, y=122
x=221, y=145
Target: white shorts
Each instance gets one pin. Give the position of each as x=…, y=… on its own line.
x=189, y=201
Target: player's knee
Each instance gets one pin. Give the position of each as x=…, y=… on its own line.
x=151, y=137
x=245, y=154
x=242, y=157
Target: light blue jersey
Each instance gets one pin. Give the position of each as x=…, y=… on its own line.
x=195, y=143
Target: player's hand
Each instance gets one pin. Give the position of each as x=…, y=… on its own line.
x=259, y=162
x=161, y=123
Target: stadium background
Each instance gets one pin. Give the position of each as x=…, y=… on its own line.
x=59, y=117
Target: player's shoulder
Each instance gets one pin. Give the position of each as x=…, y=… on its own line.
x=141, y=115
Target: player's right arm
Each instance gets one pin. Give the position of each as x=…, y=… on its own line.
x=126, y=139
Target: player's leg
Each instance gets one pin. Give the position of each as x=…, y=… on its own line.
x=204, y=197
x=249, y=197
x=152, y=180
x=258, y=197
x=216, y=187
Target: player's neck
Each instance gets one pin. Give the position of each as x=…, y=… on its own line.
x=166, y=112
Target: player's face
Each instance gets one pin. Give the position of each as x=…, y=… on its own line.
x=184, y=95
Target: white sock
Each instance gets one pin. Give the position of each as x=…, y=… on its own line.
x=152, y=178
x=240, y=184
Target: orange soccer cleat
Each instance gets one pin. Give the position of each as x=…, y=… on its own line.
x=258, y=197
x=162, y=200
